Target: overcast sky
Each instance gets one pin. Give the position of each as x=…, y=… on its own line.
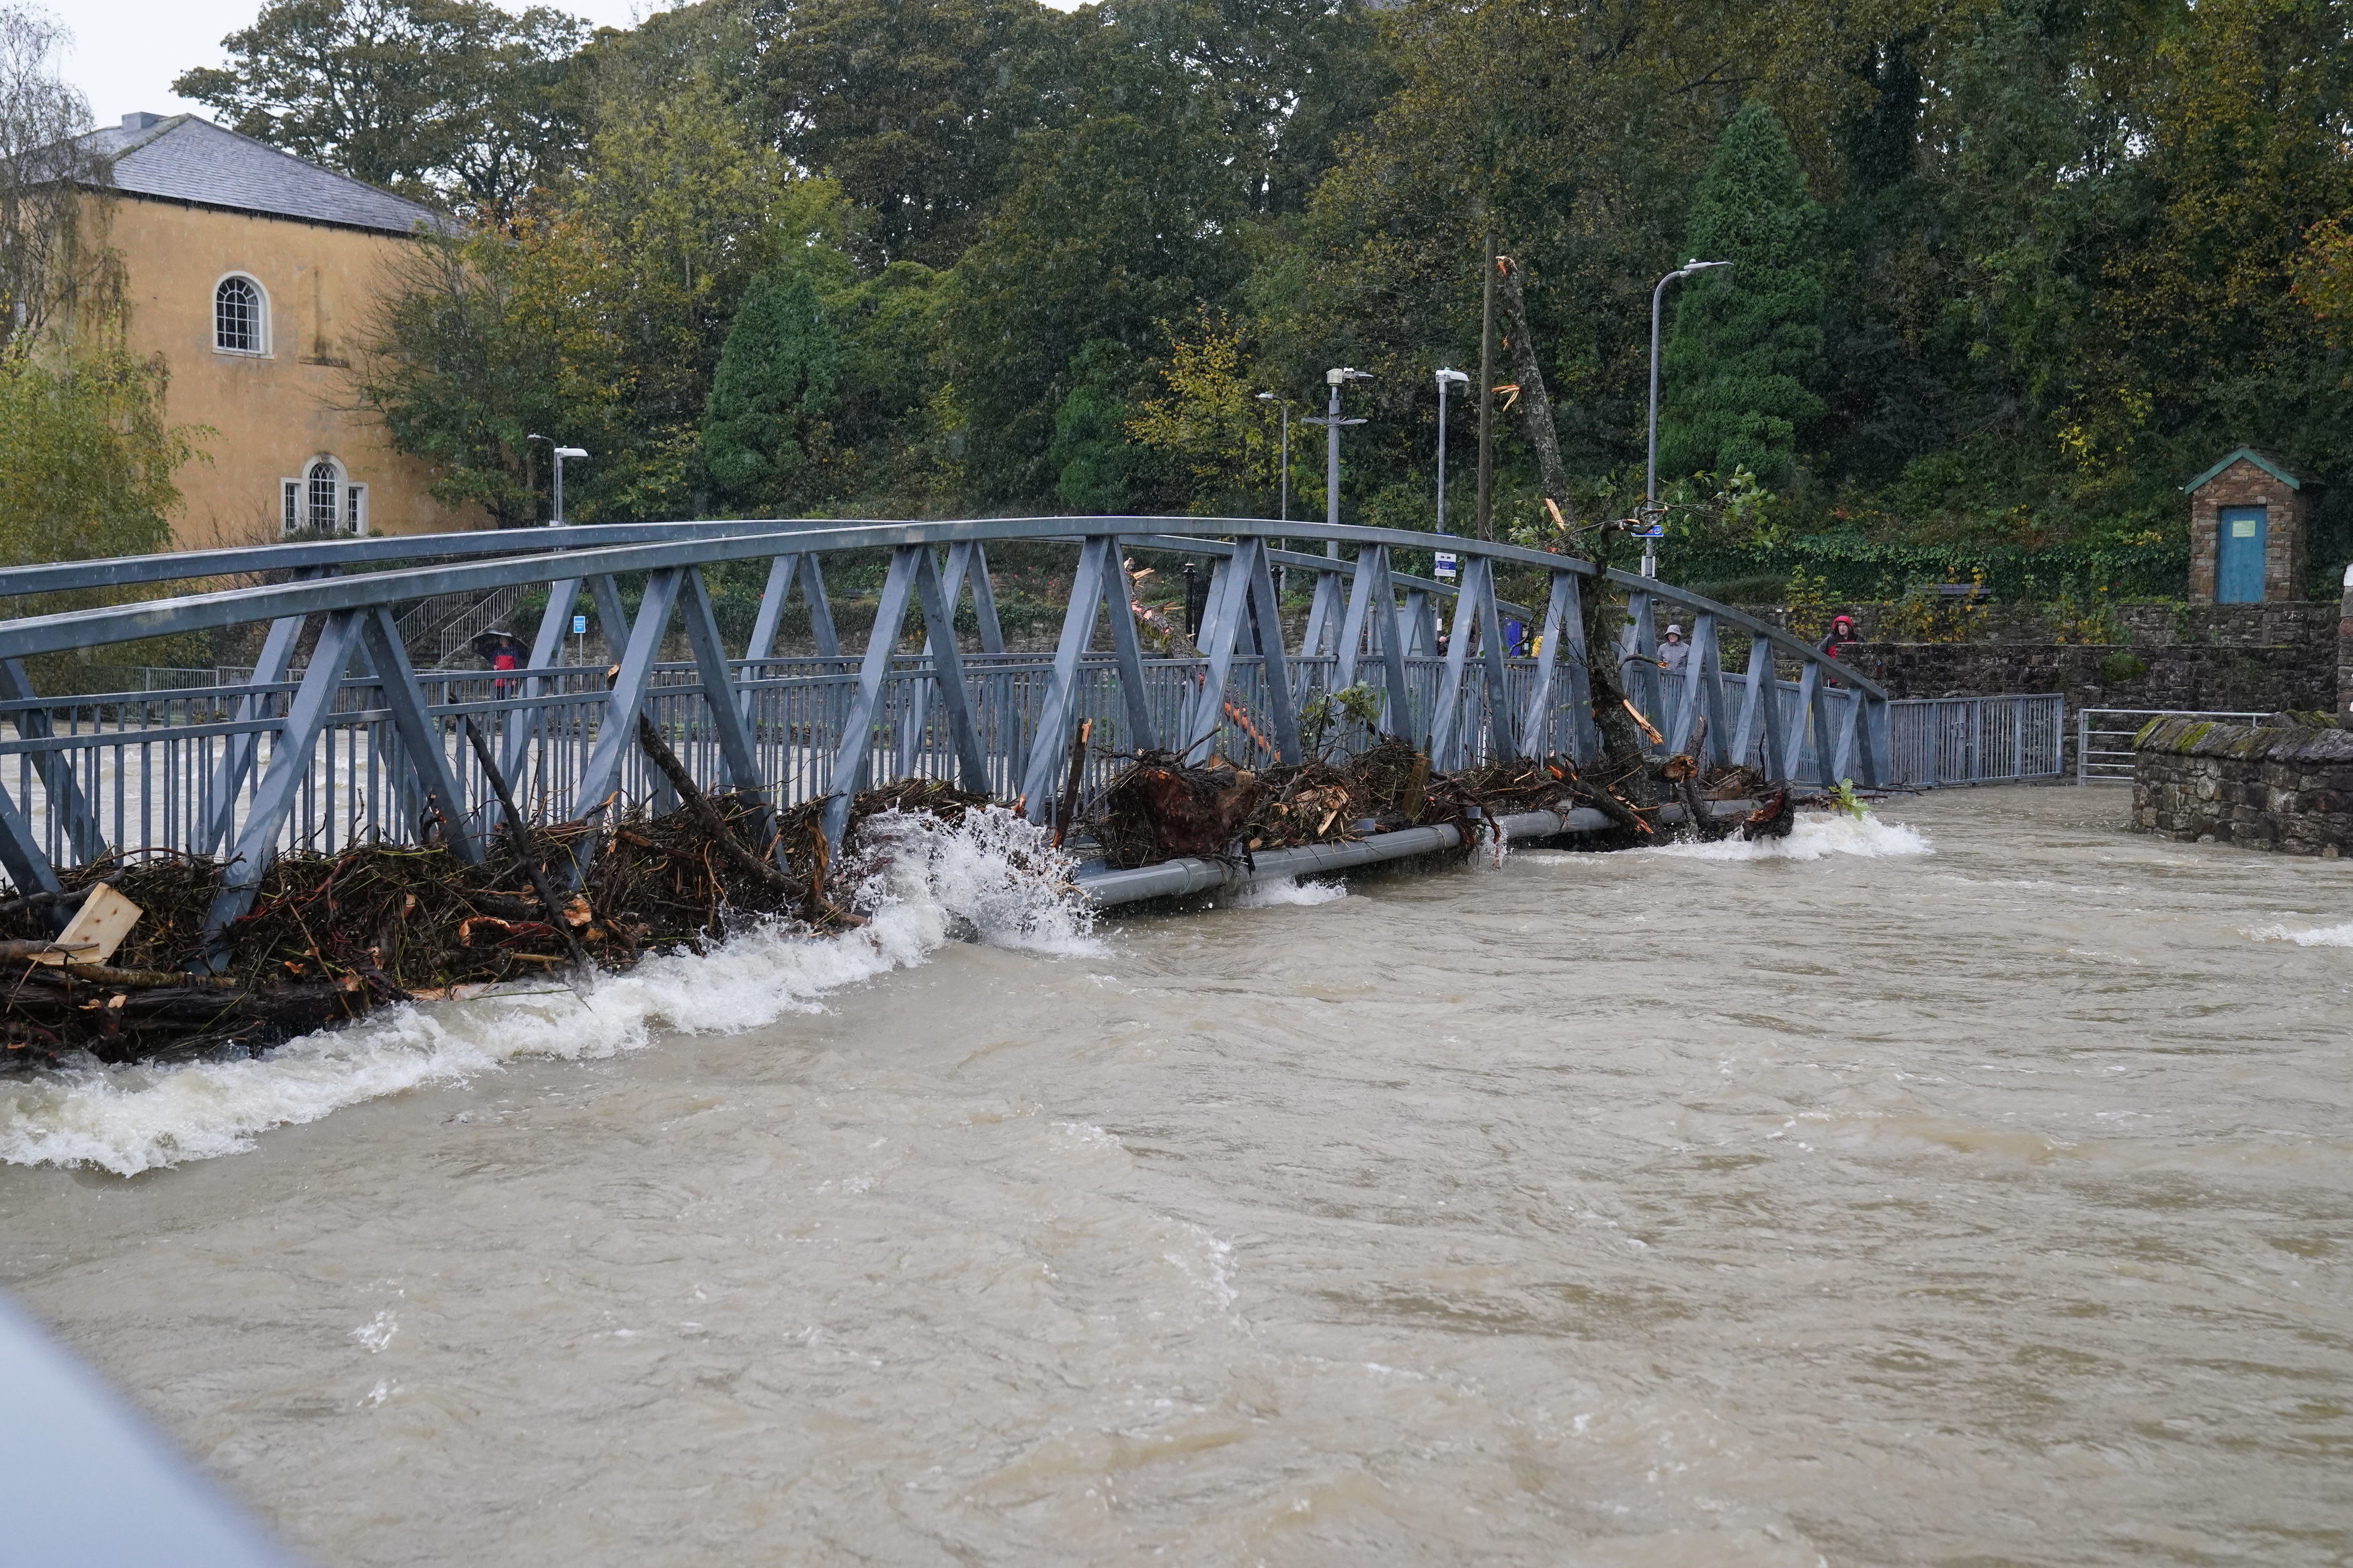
x=126, y=52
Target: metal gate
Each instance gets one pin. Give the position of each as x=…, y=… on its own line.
x=2103, y=737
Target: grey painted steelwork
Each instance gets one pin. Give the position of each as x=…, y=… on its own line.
x=350, y=741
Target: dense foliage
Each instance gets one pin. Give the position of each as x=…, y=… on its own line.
x=2009, y=272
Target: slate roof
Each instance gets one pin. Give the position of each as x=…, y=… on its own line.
x=2293, y=475
x=182, y=158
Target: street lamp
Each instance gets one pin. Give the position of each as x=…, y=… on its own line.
x=1283, y=512
x=1334, y=378
x=1446, y=378
x=1650, y=483
x=562, y=453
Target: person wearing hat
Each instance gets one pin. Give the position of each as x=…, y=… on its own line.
x=1673, y=652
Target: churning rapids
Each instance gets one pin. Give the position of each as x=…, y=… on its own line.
x=1970, y=1186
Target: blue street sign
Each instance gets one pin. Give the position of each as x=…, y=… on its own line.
x=1656, y=530
x=579, y=625
x=1446, y=563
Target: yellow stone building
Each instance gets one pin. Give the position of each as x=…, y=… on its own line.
x=253, y=273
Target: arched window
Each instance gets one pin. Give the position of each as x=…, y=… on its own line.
x=323, y=501
x=322, y=496
x=239, y=320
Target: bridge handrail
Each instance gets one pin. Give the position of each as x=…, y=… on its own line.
x=551, y=558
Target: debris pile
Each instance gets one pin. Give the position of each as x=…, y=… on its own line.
x=331, y=936
x=1163, y=808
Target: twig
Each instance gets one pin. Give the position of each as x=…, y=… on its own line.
x=531, y=862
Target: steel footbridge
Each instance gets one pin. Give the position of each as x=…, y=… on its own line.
x=336, y=736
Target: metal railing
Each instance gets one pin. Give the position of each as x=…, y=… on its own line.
x=2103, y=737
x=357, y=743
x=1939, y=741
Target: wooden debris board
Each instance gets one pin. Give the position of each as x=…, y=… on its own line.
x=105, y=919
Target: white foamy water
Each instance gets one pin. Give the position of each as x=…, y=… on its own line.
x=2306, y=936
x=993, y=878
x=1271, y=892
x=1815, y=836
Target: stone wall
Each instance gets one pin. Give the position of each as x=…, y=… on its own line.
x=2100, y=675
x=2293, y=621
x=2269, y=787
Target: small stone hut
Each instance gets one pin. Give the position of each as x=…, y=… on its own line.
x=2249, y=529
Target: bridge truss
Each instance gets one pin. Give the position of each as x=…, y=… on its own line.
x=336, y=736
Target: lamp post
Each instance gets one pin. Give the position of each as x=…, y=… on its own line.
x=1446, y=378
x=1651, y=480
x=562, y=453
x=1334, y=378
x=1283, y=507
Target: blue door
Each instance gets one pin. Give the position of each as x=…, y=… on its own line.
x=2238, y=573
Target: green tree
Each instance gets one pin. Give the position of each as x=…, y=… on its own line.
x=483, y=340
x=778, y=381
x=1096, y=468
x=1747, y=350
x=913, y=107
x=456, y=100
x=86, y=458
x=1117, y=226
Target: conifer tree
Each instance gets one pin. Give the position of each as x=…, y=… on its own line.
x=1747, y=350
x=779, y=372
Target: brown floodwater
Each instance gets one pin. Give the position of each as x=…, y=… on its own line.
x=1967, y=1188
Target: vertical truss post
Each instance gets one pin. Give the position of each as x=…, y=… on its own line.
x=1372, y=614
x=947, y=672
x=1703, y=691
x=1420, y=624
x=1351, y=624
x=1642, y=655
x=1323, y=613
x=616, y=727
x=1057, y=712
x=1280, y=700
x=772, y=609
x=1585, y=730
x=1392, y=651
x=1535, y=724
x=1127, y=648
x=69, y=807
x=546, y=653
x=420, y=734
x=289, y=764
x=853, y=758
x=1875, y=743
x=1491, y=658
x=968, y=561
x=219, y=816
x=1474, y=615
x=961, y=559
x=1220, y=630
x=21, y=855
x=719, y=693
x=1760, y=720
x=1849, y=705
x=820, y=609
x=610, y=611
x=1806, y=716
